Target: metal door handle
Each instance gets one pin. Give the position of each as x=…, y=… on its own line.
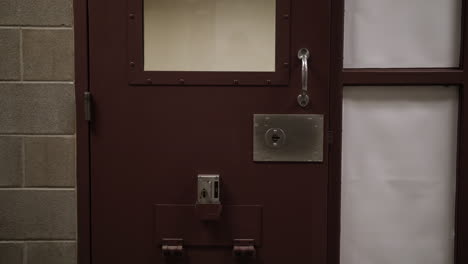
x=303, y=98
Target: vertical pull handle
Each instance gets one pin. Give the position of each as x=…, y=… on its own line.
x=303, y=98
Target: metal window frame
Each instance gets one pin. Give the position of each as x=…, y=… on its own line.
x=138, y=76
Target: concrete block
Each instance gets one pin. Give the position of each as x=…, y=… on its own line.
x=11, y=253
x=11, y=161
x=51, y=253
x=10, y=54
x=48, y=55
x=37, y=214
x=49, y=161
x=37, y=108
x=36, y=12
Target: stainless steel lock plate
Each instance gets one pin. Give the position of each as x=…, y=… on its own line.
x=288, y=138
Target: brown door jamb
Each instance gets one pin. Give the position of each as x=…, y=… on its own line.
x=80, y=8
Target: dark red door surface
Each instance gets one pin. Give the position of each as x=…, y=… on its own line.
x=153, y=132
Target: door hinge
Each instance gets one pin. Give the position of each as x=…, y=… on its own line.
x=87, y=106
x=330, y=137
x=244, y=248
x=172, y=247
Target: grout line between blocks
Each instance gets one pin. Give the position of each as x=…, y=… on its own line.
x=37, y=189
x=39, y=135
x=38, y=82
x=21, y=57
x=25, y=253
x=20, y=241
x=23, y=154
x=47, y=28
x=37, y=27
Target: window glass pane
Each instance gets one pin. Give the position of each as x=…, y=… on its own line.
x=398, y=174
x=209, y=35
x=402, y=33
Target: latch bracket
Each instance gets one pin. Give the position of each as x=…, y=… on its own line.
x=244, y=248
x=172, y=247
x=208, y=205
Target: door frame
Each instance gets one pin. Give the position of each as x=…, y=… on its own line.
x=338, y=78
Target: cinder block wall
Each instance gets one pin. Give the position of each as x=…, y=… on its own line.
x=37, y=133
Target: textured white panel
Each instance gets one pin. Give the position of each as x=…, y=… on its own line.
x=402, y=33
x=398, y=175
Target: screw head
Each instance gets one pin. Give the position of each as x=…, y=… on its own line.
x=131, y=16
x=149, y=81
x=181, y=81
x=132, y=64
x=303, y=100
x=236, y=81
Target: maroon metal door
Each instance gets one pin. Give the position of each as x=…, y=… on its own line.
x=152, y=133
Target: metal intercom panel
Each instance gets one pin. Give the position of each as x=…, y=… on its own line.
x=288, y=138
x=208, y=189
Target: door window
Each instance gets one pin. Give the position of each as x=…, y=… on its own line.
x=209, y=42
x=209, y=35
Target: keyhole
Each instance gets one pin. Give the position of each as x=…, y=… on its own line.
x=203, y=193
x=275, y=138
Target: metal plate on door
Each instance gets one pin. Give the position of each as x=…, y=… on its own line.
x=288, y=138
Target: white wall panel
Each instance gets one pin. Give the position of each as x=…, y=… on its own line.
x=402, y=33
x=398, y=175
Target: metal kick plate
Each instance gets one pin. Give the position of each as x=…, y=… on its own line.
x=288, y=138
